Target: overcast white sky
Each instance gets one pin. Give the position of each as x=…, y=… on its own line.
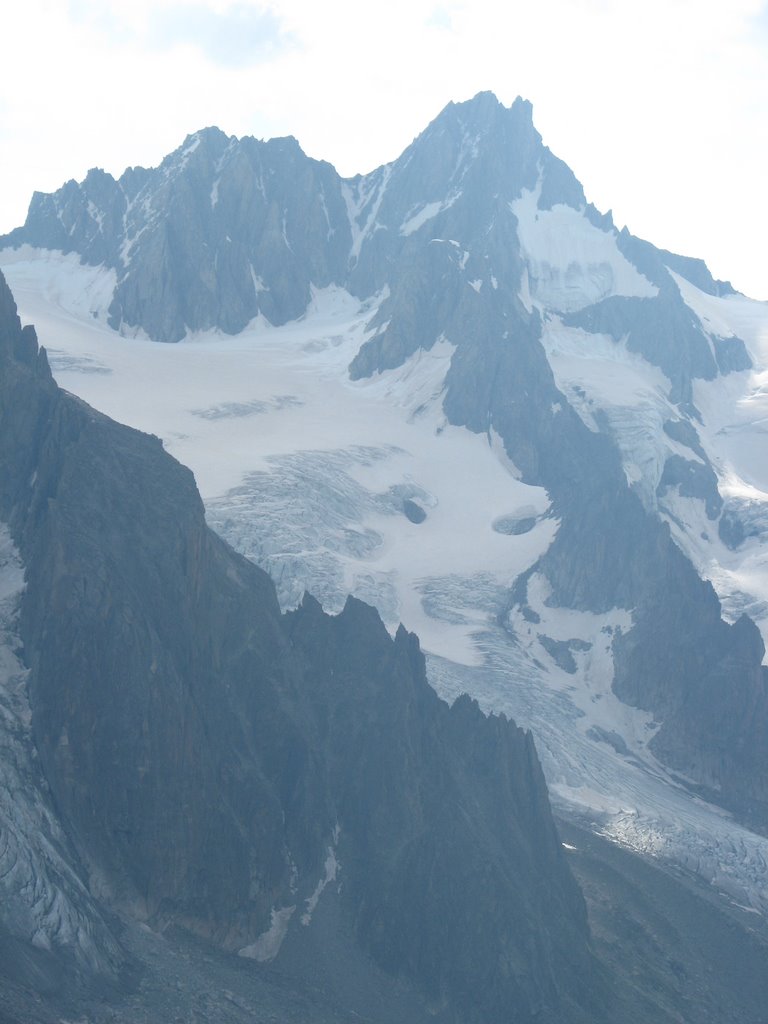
x=660, y=107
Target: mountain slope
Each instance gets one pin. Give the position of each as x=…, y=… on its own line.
x=601, y=379
x=252, y=779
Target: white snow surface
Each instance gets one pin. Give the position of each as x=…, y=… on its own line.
x=331, y=869
x=268, y=944
x=570, y=262
x=308, y=473
x=419, y=216
x=70, y=291
x=363, y=201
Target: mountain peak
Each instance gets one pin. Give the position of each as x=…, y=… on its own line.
x=485, y=110
x=209, y=135
x=480, y=130
x=485, y=99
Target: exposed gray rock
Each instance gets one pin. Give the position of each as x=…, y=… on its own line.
x=697, y=272
x=221, y=231
x=208, y=755
x=452, y=183
x=693, y=480
x=50, y=926
x=561, y=651
x=682, y=952
x=685, y=433
x=514, y=526
x=663, y=330
x=731, y=355
x=730, y=529
x=611, y=738
x=414, y=512
x=86, y=218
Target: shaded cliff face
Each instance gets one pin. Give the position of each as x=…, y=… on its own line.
x=218, y=767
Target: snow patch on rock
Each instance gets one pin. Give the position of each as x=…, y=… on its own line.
x=571, y=263
x=268, y=944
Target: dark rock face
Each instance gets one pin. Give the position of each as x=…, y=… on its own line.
x=702, y=678
x=697, y=272
x=514, y=526
x=86, y=218
x=712, y=693
x=684, y=432
x=451, y=183
x=477, y=157
x=664, y=331
x=693, y=480
x=388, y=795
x=221, y=231
x=413, y=511
x=561, y=651
x=204, y=752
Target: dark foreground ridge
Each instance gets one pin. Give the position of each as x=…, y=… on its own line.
x=258, y=782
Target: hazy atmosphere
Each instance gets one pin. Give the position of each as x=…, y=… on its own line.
x=383, y=523
x=658, y=108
